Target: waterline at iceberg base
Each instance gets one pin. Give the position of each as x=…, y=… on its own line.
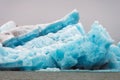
x=60, y=45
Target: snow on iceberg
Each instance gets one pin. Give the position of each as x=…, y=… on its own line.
x=4, y=34
x=9, y=25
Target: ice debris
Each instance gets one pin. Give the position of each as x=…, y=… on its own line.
x=62, y=45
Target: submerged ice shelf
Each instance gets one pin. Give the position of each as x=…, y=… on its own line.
x=63, y=45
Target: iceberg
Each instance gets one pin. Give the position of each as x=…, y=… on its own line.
x=88, y=51
x=61, y=45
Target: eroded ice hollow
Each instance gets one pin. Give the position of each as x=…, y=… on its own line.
x=61, y=45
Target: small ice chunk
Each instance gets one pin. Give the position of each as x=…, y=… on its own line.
x=50, y=69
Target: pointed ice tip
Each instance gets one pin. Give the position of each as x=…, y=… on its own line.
x=75, y=10
x=100, y=25
x=80, y=24
x=96, y=22
x=11, y=21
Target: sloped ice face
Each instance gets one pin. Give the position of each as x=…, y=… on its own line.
x=41, y=30
x=61, y=45
x=63, y=35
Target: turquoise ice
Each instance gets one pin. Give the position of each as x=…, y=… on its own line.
x=62, y=45
x=63, y=35
x=40, y=57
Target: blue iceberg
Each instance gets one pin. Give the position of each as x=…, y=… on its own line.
x=61, y=45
